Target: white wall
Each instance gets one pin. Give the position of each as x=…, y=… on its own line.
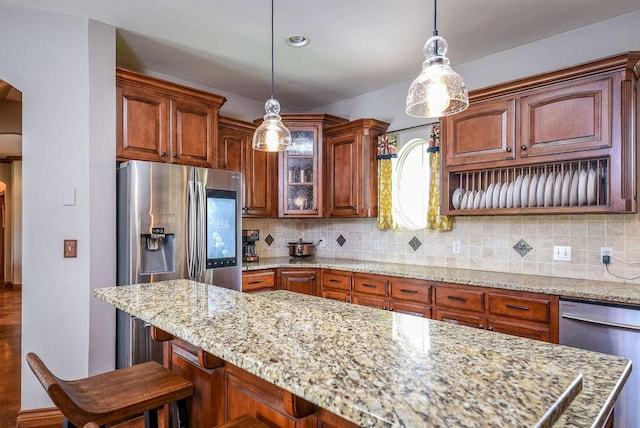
x=64, y=67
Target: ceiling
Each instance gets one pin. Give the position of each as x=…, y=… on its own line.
x=357, y=46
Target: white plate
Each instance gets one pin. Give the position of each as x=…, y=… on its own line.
x=463, y=203
x=488, y=196
x=540, y=190
x=457, y=197
x=548, y=190
x=483, y=199
x=557, y=191
x=470, y=199
x=524, y=192
x=573, y=193
x=496, y=195
x=582, y=187
x=510, y=195
x=532, y=190
x=566, y=187
x=517, y=188
x=477, y=198
x=503, y=195
x=591, y=187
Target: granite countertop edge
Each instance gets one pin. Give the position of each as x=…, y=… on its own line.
x=606, y=291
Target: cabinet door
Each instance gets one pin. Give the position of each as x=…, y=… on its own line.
x=233, y=150
x=485, y=132
x=261, y=188
x=142, y=124
x=193, y=133
x=341, y=296
x=572, y=118
x=372, y=302
x=515, y=328
x=342, y=174
x=299, y=173
x=299, y=280
x=410, y=308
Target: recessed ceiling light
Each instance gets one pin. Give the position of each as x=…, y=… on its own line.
x=297, y=40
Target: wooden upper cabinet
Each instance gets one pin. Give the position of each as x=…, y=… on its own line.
x=572, y=118
x=234, y=153
x=485, y=132
x=562, y=142
x=165, y=122
x=351, y=168
x=300, y=165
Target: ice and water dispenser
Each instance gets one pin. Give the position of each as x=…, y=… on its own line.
x=157, y=252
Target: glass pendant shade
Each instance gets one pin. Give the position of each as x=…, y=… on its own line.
x=271, y=135
x=438, y=90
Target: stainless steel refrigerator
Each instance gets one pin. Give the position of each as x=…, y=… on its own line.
x=173, y=222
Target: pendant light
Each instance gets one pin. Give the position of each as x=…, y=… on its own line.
x=438, y=90
x=271, y=135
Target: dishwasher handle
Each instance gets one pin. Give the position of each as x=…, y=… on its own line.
x=601, y=322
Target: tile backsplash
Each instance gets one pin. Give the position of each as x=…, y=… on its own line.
x=491, y=243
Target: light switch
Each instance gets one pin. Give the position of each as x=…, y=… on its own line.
x=69, y=197
x=70, y=248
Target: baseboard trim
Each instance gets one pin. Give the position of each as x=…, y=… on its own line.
x=39, y=418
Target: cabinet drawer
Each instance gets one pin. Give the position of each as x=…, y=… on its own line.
x=372, y=302
x=410, y=309
x=469, y=300
x=338, y=280
x=371, y=285
x=337, y=295
x=520, y=307
x=412, y=291
x=536, y=332
x=258, y=280
x=460, y=318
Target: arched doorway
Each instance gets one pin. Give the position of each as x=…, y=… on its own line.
x=10, y=287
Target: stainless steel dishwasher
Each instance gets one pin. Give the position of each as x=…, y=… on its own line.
x=609, y=329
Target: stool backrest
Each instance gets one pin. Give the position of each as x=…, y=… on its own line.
x=52, y=384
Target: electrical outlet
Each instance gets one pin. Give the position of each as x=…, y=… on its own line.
x=375, y=245
x=606, y=251
x=562, y=253
x=322, y=243
x=455, y=247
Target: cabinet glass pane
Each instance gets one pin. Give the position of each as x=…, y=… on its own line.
x=300, y=170
x=301, y=143
x=300, y=197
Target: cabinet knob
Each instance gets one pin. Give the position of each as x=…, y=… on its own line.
x=163, y=154
x=480, y=326
x=175, y=155
x=313, y=278
x=508, y=149
x=346, y=300
x=384, y=307
x=490, y=328
x=391, y=309
x=523, y=147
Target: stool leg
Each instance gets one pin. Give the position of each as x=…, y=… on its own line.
x=67, y=424
x=151, y=418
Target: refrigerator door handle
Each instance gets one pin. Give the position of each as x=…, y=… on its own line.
x=195, y=226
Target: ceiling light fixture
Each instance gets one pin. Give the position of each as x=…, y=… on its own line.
x=271, y=135
x=438, y=90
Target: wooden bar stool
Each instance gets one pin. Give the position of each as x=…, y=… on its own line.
x=115, y=396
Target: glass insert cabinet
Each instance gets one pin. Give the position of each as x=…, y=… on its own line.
x=300, y=165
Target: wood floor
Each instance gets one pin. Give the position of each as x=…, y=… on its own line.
x=10, y=332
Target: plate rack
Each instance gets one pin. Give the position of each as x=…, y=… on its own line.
x=557, y=185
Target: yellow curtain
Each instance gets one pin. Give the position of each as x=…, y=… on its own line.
x=436, y=221
x=387, y=152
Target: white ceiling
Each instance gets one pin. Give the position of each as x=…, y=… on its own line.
x=357, y=46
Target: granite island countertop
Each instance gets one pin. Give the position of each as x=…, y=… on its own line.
x=605, y=291
x=378, y=368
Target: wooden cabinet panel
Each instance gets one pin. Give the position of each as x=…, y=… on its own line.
x=520, y=307
x=408, y=308
x=341, y=296
x=336, y=279
x=530, y=331
x=351, y=168
x=459, y=298
x=259, y=280
x=468, y=319
x=142, y=124
x=372, y=302
x=485, y=132
x=193, y=133
x=410, y=290
x=572, y=118
x=299, y=280
x=370, y=284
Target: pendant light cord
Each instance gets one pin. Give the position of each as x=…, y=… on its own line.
x=435, y=17
x=272, y=74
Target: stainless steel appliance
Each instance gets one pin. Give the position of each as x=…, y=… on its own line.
x=249, y=238
x=610, y=329
x=174, y=222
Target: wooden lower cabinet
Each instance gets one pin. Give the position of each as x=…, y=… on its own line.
x=258, y=280
x=337, y=285
x=469, y=319
x=303, y=281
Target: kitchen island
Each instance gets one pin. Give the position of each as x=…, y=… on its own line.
x=376, y=368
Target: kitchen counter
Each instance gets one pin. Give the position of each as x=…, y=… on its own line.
x=378, y=368
x=565, y=287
